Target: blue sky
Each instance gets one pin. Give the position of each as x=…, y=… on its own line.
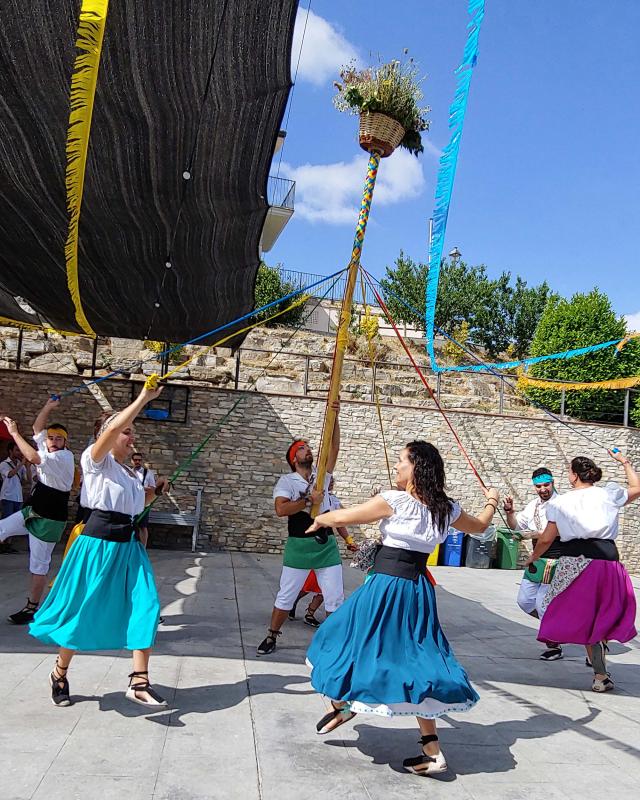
x=548, y=182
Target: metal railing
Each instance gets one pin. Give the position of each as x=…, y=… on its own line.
x=281, y=192
x=395, y=382
x=307, y=374
x=299, y=280
x=614, y=410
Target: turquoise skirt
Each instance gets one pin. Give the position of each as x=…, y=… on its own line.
x=104, y=598
x=383, y=652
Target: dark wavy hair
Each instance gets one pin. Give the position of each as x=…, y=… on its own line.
x=429, y=481
x=98, y=423
x=586, y=469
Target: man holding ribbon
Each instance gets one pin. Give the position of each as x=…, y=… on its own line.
x=294, y=497
x=44, y=517
x=529, y=523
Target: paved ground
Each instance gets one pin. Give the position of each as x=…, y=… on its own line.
x=242, y=727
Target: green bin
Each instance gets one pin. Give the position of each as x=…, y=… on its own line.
x=507, y=551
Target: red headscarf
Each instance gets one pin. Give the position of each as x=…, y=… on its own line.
x=293, y=449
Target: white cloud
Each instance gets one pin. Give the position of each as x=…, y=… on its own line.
x=324, y=50
x=331, y=193
x=633, y=321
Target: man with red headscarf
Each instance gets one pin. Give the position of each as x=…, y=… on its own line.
x=294, y=496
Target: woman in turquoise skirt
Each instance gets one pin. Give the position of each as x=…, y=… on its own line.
x=105, y=597
x=383, y=651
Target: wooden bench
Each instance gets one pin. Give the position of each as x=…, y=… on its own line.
x=183, y=519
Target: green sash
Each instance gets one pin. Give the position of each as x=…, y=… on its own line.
x=541, y=571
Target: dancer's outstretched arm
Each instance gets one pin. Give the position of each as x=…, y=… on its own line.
x=121, y=421
x=633, y=479
x=467, y=523
x=372, y=510
x=25, y=448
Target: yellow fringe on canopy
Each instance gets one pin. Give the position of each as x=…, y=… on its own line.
x=14, y=323
x=558, y=386
x=91, y=25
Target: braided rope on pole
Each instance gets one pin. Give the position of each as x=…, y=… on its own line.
x=345, y=320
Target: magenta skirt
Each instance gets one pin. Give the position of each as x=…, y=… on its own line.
x=589, y=601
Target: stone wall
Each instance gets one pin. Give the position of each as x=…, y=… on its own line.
x=239, y=467
x=273, y=363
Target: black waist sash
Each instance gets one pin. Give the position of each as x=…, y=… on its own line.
x=398, y=563
x=109, y=525
x=298, y=523
x=599, y=549
x=49, y=503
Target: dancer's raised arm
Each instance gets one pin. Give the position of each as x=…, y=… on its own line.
x=120, y=422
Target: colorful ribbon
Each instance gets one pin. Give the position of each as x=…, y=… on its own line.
x=447, y=172
x=569, y=386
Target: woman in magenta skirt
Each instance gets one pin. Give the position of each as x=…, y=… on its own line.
x=590, y=600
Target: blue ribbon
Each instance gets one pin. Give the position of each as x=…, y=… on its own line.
x=447, y=172
x=220, y=328
x=484, y=366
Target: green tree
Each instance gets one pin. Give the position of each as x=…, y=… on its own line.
x=406, y=280
x=507, y=314
x=270, y=287
x=585, y=319
x=528, y=304
x=499, y=315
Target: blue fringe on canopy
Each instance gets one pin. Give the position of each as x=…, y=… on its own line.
x=446, y=174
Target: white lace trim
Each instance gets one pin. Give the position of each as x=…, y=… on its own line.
x=427, y=709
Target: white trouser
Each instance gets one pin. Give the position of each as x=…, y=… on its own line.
x=292, y=580
x=39, y=551
x=531, y=595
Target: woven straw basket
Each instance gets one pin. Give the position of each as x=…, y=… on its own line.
x=380, y=133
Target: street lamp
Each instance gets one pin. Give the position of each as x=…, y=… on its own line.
x=455, y=255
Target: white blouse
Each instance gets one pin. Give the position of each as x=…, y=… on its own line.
x=293, y=486
x=411, y=527
x=588, y=513
x=109, y=486
x=55, y=469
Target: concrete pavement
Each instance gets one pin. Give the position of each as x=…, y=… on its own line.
x=244, y=727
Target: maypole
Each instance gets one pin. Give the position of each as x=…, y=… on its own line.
x=379, y=135
x=345, y=320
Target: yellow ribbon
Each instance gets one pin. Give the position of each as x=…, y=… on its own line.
x=152, y=381
x=568, y=386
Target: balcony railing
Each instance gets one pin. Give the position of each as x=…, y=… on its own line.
x=281, y=192
x=301, y=279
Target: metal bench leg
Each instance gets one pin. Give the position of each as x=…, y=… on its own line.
x=196, y=526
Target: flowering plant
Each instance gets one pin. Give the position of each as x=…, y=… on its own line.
x=392, y=89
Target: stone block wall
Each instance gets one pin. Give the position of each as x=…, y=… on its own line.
x=243, y=460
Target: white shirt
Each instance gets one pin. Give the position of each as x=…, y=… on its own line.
x=56, y=470
x=588, y=513
x=12, y=487
x=148, y=480
x=293, y=486
x=411, y=526
x=533, y=516
x=110, y=486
